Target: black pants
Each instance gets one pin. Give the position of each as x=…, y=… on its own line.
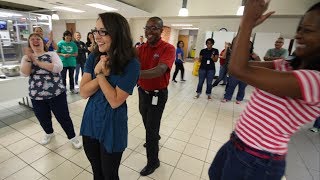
x=71, y=76
x=179, y=66
x=59, y=106
x=105, y=166
x=151, y=116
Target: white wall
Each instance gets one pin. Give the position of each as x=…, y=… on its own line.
x=82, y=26
x=285, y=26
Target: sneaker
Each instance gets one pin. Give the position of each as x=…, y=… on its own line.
x=183, y=80
x=46, y=139
x=174, y=81
x=73, y=91
x=76, y=86
x=224, y=100
x=238, y=102
x=209, y=98
x=76, y=143
x=315, y=129
x=197, y=96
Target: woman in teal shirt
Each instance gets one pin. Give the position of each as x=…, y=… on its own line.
x=68, y=51
x=110, y=75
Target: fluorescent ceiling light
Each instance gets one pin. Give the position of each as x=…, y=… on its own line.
x=191, y=28
x=7, y=14
x=101, y=6
x=183, y=12
x=55, y=17
x=240, y=11
x=182, y=25
x=68, y=9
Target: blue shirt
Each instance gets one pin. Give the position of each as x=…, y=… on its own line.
x=51, y=45
x=179, y=51
x=100, y=121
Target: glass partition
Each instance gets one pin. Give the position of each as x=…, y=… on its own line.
x=15, y=28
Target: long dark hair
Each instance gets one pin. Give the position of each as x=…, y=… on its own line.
x=314, y=63
x=88, y=39
x=179, y=43
x=121, y=49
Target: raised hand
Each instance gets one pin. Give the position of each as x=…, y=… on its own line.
x=254, y=12
x=104, y=59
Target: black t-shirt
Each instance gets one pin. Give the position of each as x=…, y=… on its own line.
x=82, y=49
x=206, y=61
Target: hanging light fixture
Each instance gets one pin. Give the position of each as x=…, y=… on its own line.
x=55, y=16
x=184, y=11
x=241, y=8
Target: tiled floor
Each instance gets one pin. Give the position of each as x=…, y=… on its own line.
x=192, y=131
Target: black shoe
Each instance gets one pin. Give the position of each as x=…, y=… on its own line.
x=149, y=169
x=174, y=81
x=183, y=80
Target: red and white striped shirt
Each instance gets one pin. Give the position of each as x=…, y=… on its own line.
x=268, y=121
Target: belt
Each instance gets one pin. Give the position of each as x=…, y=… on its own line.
x=153, y=92
x=240, y=145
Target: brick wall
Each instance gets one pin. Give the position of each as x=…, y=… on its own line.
x=166, y=33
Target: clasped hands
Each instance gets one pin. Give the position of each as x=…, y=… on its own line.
x=103, y=66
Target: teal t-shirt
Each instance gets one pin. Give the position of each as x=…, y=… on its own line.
x=100, y=121
x=68, y=48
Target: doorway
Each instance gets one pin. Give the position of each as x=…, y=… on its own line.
x=185, y=39
x=71, y=27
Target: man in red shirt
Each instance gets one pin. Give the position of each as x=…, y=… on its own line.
x=156, y=58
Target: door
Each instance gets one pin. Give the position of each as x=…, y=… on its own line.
x=185, y=39
x=71, y=27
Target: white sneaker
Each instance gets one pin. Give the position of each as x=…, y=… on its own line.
x=76, y=143
x=46, y=139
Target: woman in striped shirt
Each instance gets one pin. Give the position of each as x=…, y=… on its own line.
x=287, y=96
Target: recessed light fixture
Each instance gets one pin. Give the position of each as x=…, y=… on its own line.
x=184, y=11
x=101, y=6
x=68, y=9
x=190, y=28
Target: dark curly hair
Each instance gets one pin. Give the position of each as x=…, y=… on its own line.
x=314, y=63
x=121, y=50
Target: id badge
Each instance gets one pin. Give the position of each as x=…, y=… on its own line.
x=154, y=100
x=208, y=61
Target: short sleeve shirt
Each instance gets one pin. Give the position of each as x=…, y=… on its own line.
x=150, y=57
x=100, y=121
x=206, y=62
x=277, y=53
x=67, y=48
x=179, y=51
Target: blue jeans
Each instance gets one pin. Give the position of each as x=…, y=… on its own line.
x=231, y=163
x=59, y=106
x=317, y=123
x=205, y=74
x=222, y=76
x=77, y=72
x=231, y=86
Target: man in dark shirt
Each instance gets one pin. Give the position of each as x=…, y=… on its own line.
x=81, y=58
x=138, y=44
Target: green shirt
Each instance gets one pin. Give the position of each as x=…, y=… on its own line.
x=67, y=48
x=282, y=53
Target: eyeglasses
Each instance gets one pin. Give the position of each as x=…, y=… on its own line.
x=279, y=42
x=100, y=32
x=151, y=28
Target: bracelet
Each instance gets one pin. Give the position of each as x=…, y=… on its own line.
x=99, y=73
